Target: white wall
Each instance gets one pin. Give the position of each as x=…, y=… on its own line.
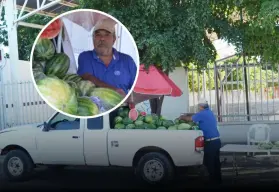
x=235, y=132
x=23, y=68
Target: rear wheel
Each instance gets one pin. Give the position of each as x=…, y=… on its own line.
x=155, y=168
x=17, y=166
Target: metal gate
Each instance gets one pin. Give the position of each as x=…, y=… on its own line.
x=28, y=108
x=237, y=91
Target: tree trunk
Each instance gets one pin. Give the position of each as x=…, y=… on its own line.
x=156, y=105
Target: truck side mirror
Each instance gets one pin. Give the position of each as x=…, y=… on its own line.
x=46, y=128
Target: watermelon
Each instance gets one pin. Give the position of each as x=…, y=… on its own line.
x=130, y=126
x=39, y=65
x=38, y=74
x=133, y=114
x=173, y=127
x=86, y=107
x=53, y=76
x=161, y=127
x=184, y=126
x=150, y=126
x=119, y=126
x=44, y=50
x=75, y=86
x=176, y=121
x=85, y=87
x=59, y=93
x=118, y=119
x=72, y=77
x=109, y=97
x=127, y=121
x=52, y=30
x=140, y=118
x=143, y=113
x=148, y=119
x=138, y=123
x=58, y=65
x=168, y=123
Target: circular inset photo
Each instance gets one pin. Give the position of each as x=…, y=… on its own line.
x=84, y=63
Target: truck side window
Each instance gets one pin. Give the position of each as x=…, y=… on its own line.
x=95, y=123
x=63, y=122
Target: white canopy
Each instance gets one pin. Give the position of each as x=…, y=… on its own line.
x=78, y=28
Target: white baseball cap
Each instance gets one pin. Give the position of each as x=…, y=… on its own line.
x=202, y=101
x=106, y=24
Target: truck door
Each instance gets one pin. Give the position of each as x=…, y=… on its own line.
x=63, y=143
x=95, y=142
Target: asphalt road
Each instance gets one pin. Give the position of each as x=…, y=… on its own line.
x=251, y=176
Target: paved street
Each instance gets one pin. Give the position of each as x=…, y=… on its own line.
x=251, y=175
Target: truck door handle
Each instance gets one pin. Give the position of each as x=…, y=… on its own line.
x=75, y=137
x=114, y=143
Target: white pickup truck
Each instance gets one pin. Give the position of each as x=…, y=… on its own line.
x=155, y=155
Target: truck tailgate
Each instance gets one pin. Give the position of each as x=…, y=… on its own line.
x=123, y=144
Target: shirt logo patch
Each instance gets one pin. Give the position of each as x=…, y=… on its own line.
x=117, y=73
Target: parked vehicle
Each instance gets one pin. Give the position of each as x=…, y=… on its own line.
x=155, y=155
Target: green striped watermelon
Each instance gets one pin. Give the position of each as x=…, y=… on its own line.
x=86, y=107
x=59, y=93
x=86, y=87
x=58, y=65
x=75, y=86
x=44, y=49
x=38, y=74
x=72, y=77
x=109, y=97
x=39, y=65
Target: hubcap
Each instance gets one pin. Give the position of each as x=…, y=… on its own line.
x=15, y=166
x=153, y=170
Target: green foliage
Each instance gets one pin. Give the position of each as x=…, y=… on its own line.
x=167, y=32
x=26, y=35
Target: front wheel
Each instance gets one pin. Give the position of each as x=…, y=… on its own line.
x=17, y=166
x=155, y=168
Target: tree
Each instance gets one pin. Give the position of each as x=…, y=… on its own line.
x=171, y=33
x=168, y=33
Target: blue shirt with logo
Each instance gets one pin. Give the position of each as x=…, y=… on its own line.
x=120, y=73
x=207, y=123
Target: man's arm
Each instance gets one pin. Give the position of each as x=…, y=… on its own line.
x=100, y=83
x=187, y=117
x=84, y=71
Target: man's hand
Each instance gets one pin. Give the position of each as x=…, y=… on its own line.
x=185, y=117
x=121, y=92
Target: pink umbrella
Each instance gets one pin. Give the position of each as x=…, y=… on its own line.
x=153, y=83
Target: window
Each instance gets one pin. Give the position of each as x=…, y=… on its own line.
x=95, y=123
x=63, y=122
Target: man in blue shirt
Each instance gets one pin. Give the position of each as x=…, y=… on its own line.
x=104, y=65
x=207, y=123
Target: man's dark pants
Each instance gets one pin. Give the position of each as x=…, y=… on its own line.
x=212, y=160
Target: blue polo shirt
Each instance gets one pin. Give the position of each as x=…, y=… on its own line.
x=120, y=73
x=207, y=123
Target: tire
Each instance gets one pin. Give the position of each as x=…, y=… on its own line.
x=165, y=172
x=19, y=162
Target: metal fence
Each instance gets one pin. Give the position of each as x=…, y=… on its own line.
x=223, y=84
x=23, y=106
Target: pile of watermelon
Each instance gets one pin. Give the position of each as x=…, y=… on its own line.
x=152, y=121
x=68, y=92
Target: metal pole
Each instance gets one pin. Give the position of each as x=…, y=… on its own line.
x=217, y=92
x=245, y=74
x=11, y=16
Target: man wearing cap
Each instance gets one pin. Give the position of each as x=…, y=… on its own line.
x=104, y=65
x=207, y=123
